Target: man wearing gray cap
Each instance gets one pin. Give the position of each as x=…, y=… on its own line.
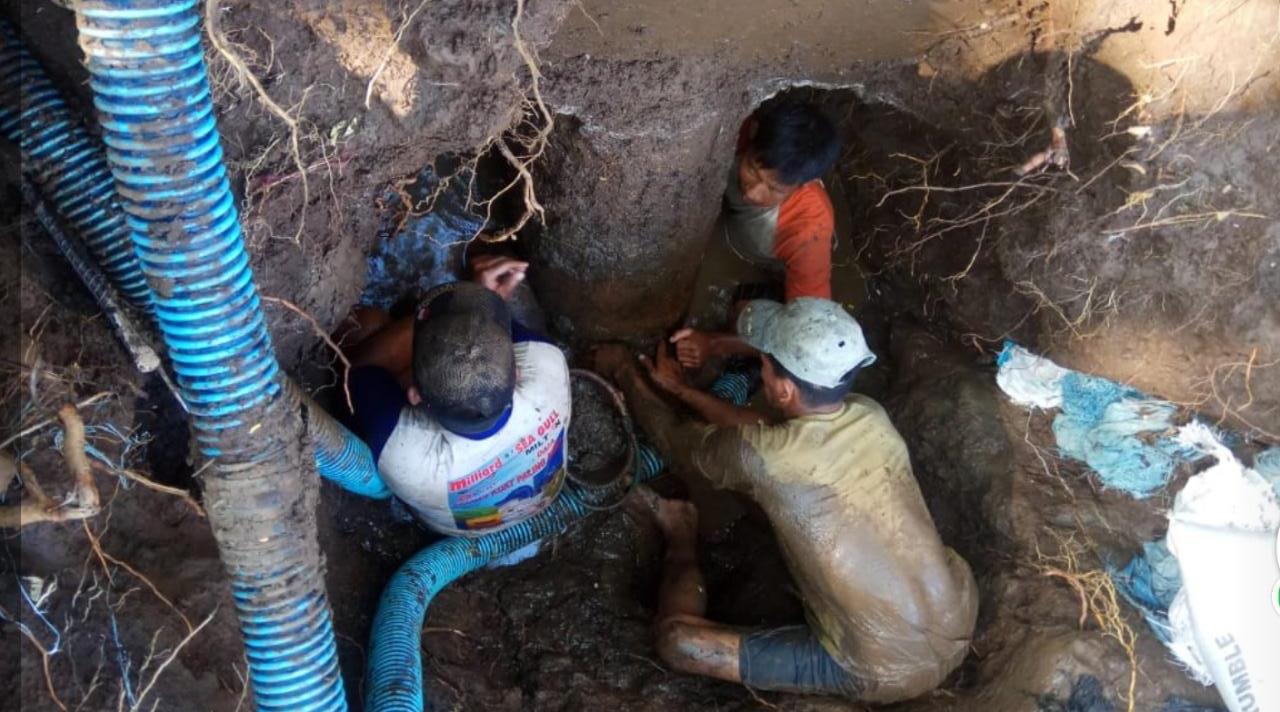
x=890, y=609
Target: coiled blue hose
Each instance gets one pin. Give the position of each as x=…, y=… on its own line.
x=151, y=92
x=393, y=676
x=733, y=386
x=67, y=164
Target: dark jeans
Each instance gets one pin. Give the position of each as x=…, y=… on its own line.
x=791, y=659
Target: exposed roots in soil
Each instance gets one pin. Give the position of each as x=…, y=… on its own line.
x=164, y=663
x=1098, y=598
x=147, y=482
x=59, y=620
x=107, y=560
x=530, y=135
x=1091, y=305
x=989, y=194
x=97, y=589
x=324, y=336
x=535, y=145
x=1006, y=201
x=405, y=23
x=1217, y=381
x=46, y=652
x=83, y=502
x=520, y=146
x=246, y=78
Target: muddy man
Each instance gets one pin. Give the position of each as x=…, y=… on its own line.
x=779, y=224
x=890, y=609
x=464, y=408
x=777, y=212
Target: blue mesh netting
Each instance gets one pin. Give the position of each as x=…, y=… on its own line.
x=1119, y=433
x=1149, y=582
x=1267, y=464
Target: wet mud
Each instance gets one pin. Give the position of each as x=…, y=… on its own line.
x=598, y=437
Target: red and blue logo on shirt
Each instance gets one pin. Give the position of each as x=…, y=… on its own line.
x=516, y=484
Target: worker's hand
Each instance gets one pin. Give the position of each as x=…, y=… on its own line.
x=612, y=361
x=499, y=274
x=665, y=371
x=693, y=347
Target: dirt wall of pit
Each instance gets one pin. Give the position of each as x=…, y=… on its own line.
x=1149, y=257
x=1156, y=264
x=374, y=99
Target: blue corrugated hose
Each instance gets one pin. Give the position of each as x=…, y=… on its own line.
x=71, y=168
x=67, y=164
x=733, y=386
x=152, y=95
x=341, y=457
x=393, y=676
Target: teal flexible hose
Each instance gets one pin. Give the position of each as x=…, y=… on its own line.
x=151, y=91
x=393, y=676
x=67, y=164
x=341, y=457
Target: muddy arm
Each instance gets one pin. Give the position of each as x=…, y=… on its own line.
x=717, y=411
x=719, y=454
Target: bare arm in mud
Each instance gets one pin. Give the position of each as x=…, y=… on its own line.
x=665, y=373
x=695, y=347
x=388, y=343
x=718, y=453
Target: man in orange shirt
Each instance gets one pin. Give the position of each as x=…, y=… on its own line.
x=778, y=215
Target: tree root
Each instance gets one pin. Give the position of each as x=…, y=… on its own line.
x=1098, y=599
x=38, y=507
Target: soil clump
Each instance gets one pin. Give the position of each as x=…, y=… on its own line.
x=598, y=438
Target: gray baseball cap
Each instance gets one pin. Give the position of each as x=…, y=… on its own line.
x=815, y=339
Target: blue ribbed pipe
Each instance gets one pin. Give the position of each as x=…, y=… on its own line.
x=346, y=460
x=71, y=166
x=393, y=675
x=67, y=164
x=341, y=457
x=152, y=96
x=733, y=386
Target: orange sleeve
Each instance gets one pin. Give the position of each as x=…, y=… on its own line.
x=806, y=225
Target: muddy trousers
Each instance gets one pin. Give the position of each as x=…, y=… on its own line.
x=792, y=659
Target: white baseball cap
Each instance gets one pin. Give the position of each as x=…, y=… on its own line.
x=814, y=339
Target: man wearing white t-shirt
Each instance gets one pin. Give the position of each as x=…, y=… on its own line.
x=464, y=408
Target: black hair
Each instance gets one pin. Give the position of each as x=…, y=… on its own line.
x=796, y=140
x=816, y=396
x=463, y=357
